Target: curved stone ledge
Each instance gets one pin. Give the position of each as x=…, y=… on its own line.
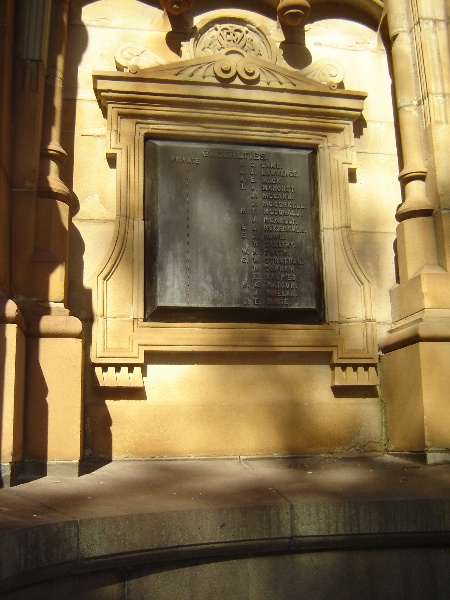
x=173, y=514
x=198, y=554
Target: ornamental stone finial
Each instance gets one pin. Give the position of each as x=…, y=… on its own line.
x=293, y=12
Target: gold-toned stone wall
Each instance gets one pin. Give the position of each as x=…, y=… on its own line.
x=227, y=403
x=82, y=375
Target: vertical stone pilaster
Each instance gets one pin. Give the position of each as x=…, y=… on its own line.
x=54, y=385
x=12, y=326
x=52, y=391
x=431, y=39
x=417, y=406
x=53, y=197
x=31, y=43
x=414, y=170
x=416, y=239
x=6, y=69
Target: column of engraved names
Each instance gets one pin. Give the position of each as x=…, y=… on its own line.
x=249, y=175
x=282, y=231
x=188, y=256
x=183, y=167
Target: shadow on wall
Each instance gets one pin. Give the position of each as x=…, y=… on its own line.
x=50, y=247
x=79, y=296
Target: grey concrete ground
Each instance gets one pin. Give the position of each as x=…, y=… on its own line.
x=138, y=514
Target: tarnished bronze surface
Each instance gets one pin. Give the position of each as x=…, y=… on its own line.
x=232, y=234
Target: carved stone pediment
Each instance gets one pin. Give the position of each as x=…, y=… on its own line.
x=232, y=67
x=229, y=50
x=227, y=70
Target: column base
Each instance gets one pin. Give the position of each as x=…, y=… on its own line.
x=416, y=392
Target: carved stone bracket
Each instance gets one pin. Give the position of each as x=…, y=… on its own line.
x=354, y=375
x=119, y=377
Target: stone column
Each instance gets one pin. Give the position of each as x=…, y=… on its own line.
x=53, y=380
x=6, y=69
x=12, y=325
x=53, y=197
x=432, y=40
x=415, y=368
x=30, y=49
x=54, y=386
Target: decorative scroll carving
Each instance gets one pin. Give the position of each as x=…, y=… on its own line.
x=129, y=55
x=235, y=66
x=225, y=37
x=327, y=71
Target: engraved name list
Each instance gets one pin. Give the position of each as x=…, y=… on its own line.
x=232, y=234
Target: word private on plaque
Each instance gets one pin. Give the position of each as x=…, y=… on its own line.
x=231, y=234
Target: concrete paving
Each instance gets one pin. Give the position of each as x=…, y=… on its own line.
x=129, y=487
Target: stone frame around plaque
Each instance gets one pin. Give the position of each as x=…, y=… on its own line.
x=230, y=99
x=232, y=234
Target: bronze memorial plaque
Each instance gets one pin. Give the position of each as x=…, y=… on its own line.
x=232, y=234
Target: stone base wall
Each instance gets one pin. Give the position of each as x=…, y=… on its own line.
x=83, y=84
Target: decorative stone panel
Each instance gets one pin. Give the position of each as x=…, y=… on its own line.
x=231, y=97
